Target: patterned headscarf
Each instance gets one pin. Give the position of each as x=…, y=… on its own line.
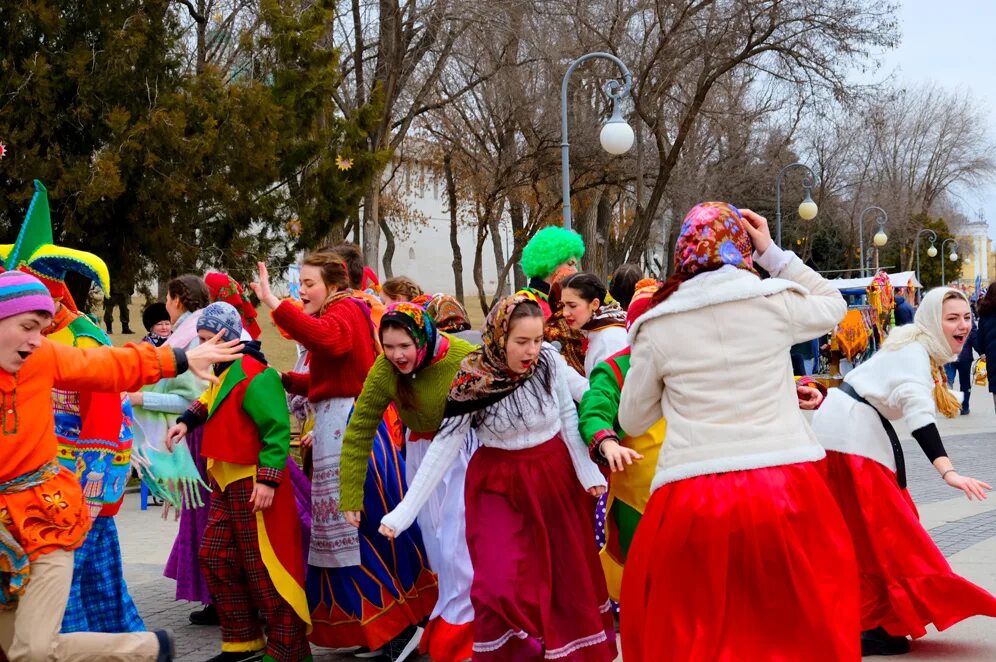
x=484, y=376
x=448, y=314
x=641, y=302
x=223, y=287
x=711, y=237
x=430, y=346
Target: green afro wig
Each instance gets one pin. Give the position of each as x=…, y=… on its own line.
x=548, y=249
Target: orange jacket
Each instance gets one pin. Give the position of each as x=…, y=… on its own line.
x=52, y=515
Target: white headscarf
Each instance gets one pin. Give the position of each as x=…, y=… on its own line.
x=927, y=327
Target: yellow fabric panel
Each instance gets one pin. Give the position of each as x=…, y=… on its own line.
x=226, y=473
x=632, y=486
x=286, y=585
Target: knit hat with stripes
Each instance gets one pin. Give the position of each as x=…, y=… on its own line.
x=23, y=293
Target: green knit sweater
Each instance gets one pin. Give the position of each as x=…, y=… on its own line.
x=431, y=386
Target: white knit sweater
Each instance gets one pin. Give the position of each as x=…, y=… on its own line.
x=500, y=425
x=898, y=383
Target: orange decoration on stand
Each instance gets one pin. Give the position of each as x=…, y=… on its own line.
x=852, y=335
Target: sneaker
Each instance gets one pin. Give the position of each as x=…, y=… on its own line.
x=880, y=642
x=206, y=616
x=167, y=646
x=247, y=656
x=399, y=648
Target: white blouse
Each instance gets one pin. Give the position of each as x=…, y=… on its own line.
x=537, y=419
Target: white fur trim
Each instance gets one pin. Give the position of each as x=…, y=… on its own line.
x=713, y=288
x=809, y=453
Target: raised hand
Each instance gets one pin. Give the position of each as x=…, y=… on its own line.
x=201, y=358
x=262, y=288
x=757, y=227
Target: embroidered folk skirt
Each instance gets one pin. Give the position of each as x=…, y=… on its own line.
x=746, y=565
x=538, y=590
x=390, y=587
x=906, y=582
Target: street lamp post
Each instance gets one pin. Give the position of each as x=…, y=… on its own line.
x=807, y=209
x=931, y=252
x=616, y=136
x=953, y=256
x=880, y=238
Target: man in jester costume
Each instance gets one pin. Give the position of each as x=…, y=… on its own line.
x=552, y=253
x=93, y=429
x=252, y=552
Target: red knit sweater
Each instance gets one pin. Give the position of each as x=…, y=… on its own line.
x=341, y=343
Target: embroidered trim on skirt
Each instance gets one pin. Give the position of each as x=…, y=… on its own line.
x=906, y=582
x=744, y=565
x=538, y=591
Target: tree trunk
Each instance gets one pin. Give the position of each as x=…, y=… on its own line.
x=501, y=289
x=371, y=223
x=517, y=216
x=389, y=247
x=603, y=225
x=451, y=197
x=482, y=235
x=201, y=37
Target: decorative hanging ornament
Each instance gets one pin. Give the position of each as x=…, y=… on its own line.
x=343, y=163
x=3, y=150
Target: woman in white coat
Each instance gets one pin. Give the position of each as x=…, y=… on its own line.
x=742, y=552
x=906, y=582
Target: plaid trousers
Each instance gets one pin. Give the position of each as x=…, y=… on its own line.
x=240, y=584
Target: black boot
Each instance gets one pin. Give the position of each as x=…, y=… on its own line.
x=964, y=403
x=250, y=656
x=880, y=642
x=167, y=647
x=206, y=616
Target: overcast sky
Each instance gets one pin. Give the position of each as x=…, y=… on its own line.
x=951, y=43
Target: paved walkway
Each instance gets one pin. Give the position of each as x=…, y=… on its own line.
x=965, y=531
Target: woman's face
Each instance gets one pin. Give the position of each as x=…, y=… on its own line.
x=956, y=318
x=174, y=308
x=577, y=311
x=314, y=291
x=525, y=339
x=399, y=349
x=163, y=329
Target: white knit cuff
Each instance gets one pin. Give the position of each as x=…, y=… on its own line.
x=399, y=519
x=774, y=260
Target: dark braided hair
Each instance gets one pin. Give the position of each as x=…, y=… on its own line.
x=190, y=290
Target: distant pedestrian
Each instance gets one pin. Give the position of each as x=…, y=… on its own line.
x=904, y=311
x=119, y=299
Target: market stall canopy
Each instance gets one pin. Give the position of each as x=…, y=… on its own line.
x=903, y=279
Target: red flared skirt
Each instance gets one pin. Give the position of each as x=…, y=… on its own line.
x=745, y=565
x=538, y=590
x=906, y=582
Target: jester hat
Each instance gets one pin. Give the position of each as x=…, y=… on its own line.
x=35, y=253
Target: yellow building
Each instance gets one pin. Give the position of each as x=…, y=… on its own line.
x=975, y=251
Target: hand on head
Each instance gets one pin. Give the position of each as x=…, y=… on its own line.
x=757, y=227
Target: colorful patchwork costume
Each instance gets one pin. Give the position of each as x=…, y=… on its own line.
x=251, y=560
x=93, y=430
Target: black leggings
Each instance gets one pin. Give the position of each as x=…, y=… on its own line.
x=964, y=375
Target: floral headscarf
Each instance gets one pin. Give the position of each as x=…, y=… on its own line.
x=711, y=237
x=484, y=376
x=223, y=287
x=430, y=345
x=448, y=314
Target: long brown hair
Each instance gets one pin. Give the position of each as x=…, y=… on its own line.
x=405, y=388
x=401, y=288
x=987, y=304
x=190, y=291
x=332, y=266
